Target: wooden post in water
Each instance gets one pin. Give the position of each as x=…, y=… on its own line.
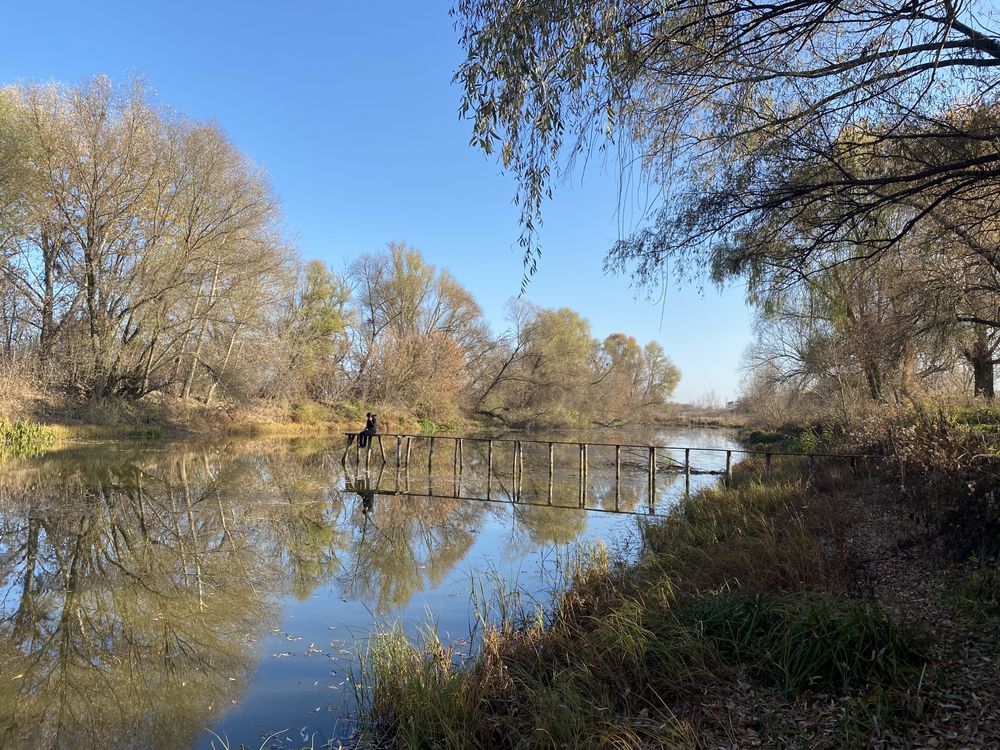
x=489, y=468
x=347, y=449
x=652, y=476
x=368, y=455
x=767, y=463
x=729, y=467
x=381, y=449
x=687, y=471
x=409, y=444
x=430, y=456
x=520, y=466
x=455, y=460
x=551, y=471
x=618, y=476
x=399, y=453
x=854, y=466
x=461, y=456
x=513, y=470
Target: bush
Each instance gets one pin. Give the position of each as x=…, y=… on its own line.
x=951, y=475
x=23, y=439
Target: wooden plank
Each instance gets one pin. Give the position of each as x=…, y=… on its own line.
x=652, y=475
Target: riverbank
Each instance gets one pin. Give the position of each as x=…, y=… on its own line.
x=796, y=612
x=157, y=416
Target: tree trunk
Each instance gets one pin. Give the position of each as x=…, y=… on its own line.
x=195, y=357
x=983, y=376
x=980, y=357
x=48, y=273
x=222, y=369
x=874, y=380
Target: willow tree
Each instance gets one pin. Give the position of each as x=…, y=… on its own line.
x=723, y=103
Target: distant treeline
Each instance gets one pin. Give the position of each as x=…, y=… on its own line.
x=141, y=252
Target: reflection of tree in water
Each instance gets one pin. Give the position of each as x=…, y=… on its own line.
x=133, y=590
x=408, y=543
x=134, y=585
x=312, y=521
x=550, y=525
x=631, y=496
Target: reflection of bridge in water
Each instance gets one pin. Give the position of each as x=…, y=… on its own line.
x=498, y=464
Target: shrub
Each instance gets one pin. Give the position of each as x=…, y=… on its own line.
x=951, y=475
x=23, y=439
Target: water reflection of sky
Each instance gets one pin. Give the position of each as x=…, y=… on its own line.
x=228, y=586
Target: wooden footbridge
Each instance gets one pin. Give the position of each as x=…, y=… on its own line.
x=649, y=459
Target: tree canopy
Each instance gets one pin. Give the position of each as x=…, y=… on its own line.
x=740, y=113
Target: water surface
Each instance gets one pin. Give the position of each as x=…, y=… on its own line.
x=166, y=596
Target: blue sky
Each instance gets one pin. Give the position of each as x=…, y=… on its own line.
x=349, y=107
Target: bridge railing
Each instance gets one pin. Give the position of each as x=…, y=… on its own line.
x=652, y=459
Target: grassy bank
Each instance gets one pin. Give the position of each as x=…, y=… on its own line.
x=743, y=590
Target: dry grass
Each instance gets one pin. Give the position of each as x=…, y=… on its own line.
x=740, y=583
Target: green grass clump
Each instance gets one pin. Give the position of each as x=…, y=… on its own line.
x=765, y=438
x=832, y=644
x=427, y=426
x=24, y=439
x=310, y=412
x=978, y=594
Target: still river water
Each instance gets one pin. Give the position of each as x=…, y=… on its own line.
x=167, y=596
